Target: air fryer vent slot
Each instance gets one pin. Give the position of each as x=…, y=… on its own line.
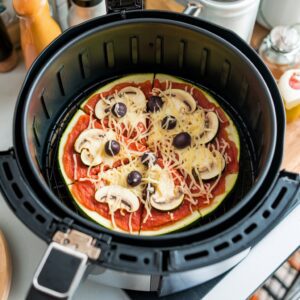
x=146, y=261
x=243, y=92
x=279, y=197
x=29, y=207
x=266, y=214
x=109, y=54
x=84, y=64
x=203, y=64
x=7, y=171
x=134, y=50
x=225, y=73
x=237, y=238
x=36, y=137
x=158, y=50
x=181, y=53
x=221, y=247
x=45, y=110
x=59, y=76
x=196, y=255
x=17, y=190
x=128, y=257
x=250, y=228
x=40, y=219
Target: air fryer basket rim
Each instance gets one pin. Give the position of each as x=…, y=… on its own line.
x=133, y=17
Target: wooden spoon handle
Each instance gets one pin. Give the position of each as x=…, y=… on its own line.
x=5, y=268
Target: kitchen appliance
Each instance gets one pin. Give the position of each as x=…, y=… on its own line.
x=273, y=13
x=85, y=57
x=236, y=15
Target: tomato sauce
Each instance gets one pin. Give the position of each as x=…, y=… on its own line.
x=69, y=151
x=146, y=87
x=84, y=192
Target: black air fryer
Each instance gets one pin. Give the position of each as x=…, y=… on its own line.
x=86, y=57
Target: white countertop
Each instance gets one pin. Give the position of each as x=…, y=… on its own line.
x=27, y=249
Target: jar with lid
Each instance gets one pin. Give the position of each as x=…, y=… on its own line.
x=83, y=10
x=236, y=15
x=280, y=50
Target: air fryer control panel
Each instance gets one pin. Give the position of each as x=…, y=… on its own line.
x=120, y=5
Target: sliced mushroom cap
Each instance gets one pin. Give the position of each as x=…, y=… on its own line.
x=166, y=196
x=166, y=204
x=102, y=109
x=183, y=100
x=135, y=95
x=118, y=197
x=213, y=169
x=211, y=128
x=90, y=144
x=85, y=138
x=90, y=156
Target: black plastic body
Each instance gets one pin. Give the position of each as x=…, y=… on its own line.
x=121, y=5
x=151, y=41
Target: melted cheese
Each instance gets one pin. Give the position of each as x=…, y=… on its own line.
x=135, y=115
x=180, y=164
x=189, y=160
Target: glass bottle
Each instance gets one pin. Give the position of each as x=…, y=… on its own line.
x=280, y=50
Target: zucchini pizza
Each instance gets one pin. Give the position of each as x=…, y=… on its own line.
x=149, y=154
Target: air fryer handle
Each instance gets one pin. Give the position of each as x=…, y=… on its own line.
x=59, y=273
x=193, y=9
x=113, y=6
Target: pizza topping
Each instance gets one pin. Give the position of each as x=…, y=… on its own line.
x=211, y=127
x=118, y=197
x=184, y=101
x=112, y=147
x=134, y=178
x=154, y=104
x=168, y=122
x=150, y=189
x=90, y=143
x=102, y=109
x=166, y=195
x=166, y=204
x=211, y=168
x=133, y=96
x=119, y=109
x=149, y=159
x=182, y=140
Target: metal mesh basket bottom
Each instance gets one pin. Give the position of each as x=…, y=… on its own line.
x=53, y=177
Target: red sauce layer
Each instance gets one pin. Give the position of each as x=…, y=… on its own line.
x=85, y=191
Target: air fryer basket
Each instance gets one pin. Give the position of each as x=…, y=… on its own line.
x=138, y=42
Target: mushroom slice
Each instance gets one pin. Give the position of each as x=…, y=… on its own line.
x=135, y=95
x=102, y=109
x=118, y=197
x=215, y=168
x=166, y=196
x=182, y=97
x=210, y=129
x=90, y=156
x=89, y=144
x=166, y=204
x=87, y=136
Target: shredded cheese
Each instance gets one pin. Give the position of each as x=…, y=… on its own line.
x=184, y=166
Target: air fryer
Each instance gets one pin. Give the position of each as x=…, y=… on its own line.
x=84, y=58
